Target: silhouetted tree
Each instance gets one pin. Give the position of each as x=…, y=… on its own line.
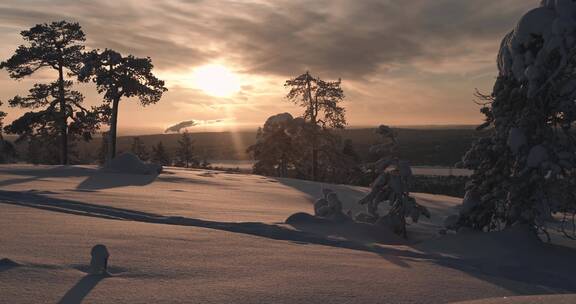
x=349, y=150
x=338, y=161
x=120, y=76
x=7, y=150
x=276, y=149
x=185, y=150
x=160, y=155
x=320, y=99
x=2, y=116
x=103, y=153
x=33, y=149
x=46, y=122
x=56, y=46
x=139, y=149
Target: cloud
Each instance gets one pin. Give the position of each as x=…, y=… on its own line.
x=181, y=125
x=334, y=37
x=191, y=123
x=385, y=50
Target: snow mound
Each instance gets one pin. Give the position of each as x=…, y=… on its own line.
x=8, y=263
x=130, y=164
x=305, y=218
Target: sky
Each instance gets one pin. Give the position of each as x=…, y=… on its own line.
x=401, y=62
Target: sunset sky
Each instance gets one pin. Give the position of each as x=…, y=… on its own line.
x=402, y=62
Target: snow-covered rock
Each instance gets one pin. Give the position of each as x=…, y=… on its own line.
x=99, y=259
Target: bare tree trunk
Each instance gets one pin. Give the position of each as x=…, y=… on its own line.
x=113, y=128
x=63, y=120
x=314, y=138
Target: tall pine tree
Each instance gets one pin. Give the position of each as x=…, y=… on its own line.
x=57, y=46
x=160, y=155
x=139, y=149
x=320, y=100
x=185, y=151
x=119, y=77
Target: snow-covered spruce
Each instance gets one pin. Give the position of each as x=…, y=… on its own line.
x=393, y=186
x=525, y=168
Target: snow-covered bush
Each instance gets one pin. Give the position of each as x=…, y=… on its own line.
x=525, y=168
x=330, y=206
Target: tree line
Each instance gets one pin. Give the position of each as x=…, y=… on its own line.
x=184, y=155
x=56, y=116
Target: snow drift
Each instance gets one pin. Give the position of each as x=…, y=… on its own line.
x=129, y=163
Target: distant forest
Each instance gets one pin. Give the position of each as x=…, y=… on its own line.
x=421, y=147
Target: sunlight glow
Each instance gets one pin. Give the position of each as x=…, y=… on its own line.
x=216, y=80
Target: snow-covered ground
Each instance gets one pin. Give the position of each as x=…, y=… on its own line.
x=195, y=236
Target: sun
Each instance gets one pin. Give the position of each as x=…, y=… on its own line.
x=216, y=80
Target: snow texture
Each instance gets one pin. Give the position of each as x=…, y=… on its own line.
x=189, y=236
x=129, y=163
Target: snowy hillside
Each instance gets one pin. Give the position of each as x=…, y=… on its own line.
x=210, y=237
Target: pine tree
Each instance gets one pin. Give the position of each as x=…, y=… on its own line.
x=45, y=122
x=320, y=99
x=103, y=153
x=276, y=147
x=525, y=169
x=139, y=149
x=349, y=150
x=160, y=155
x=7, y=150
x=57, y=46
x=185, y=151
x=121, y=77
x=2, y=116
x=393, y=185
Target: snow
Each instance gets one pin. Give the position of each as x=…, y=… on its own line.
x=541, y=33
x=538, y=154
x=212, y=237
x=278, y=119
x=131, y=164
x=516, y=139
x=545, y=299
